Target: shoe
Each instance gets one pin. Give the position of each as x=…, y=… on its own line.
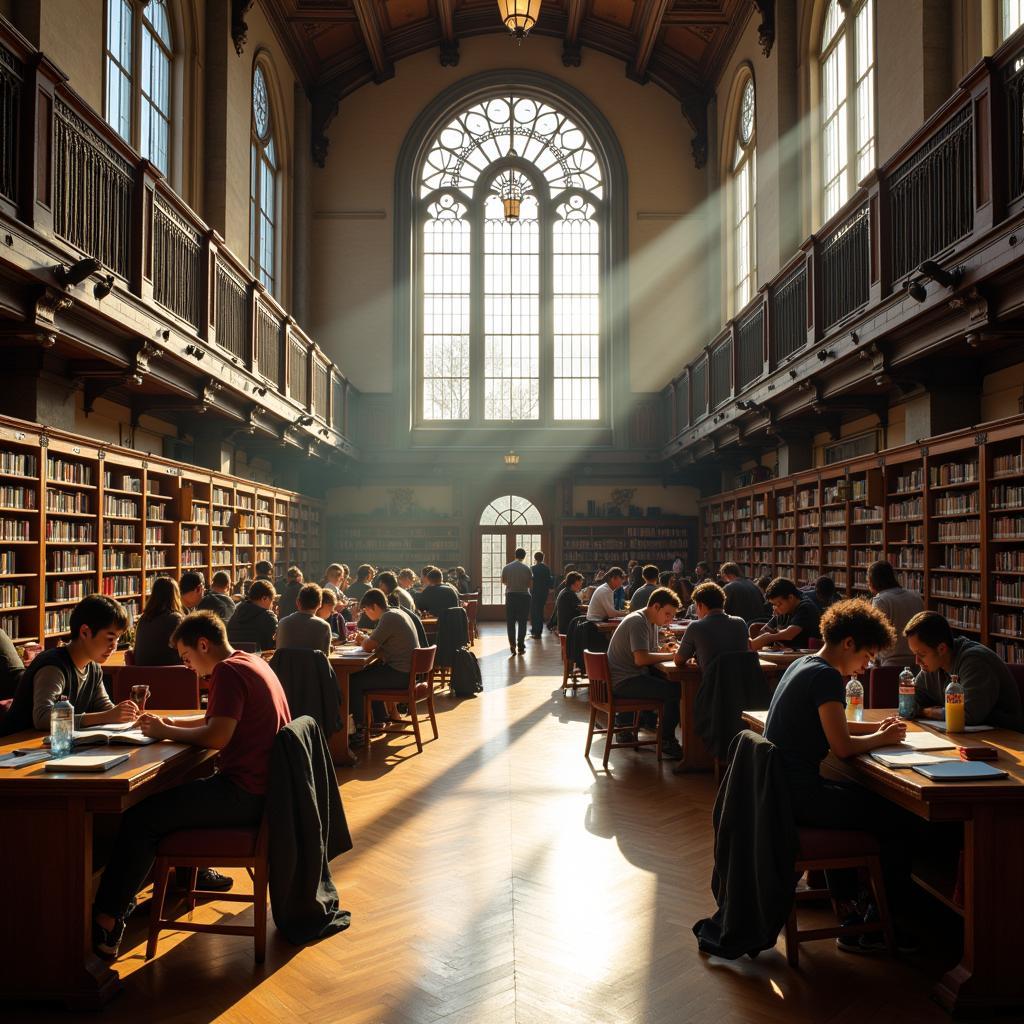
x=358, y=738
x=211, y=880
x=874, y=942
x=107, y=941
x=671, y=751
x=625, y=737
x=513, y=650
x=522, y=648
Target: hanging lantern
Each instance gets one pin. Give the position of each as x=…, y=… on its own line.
x=519, y=16
x=511, y=190
x=511, y=458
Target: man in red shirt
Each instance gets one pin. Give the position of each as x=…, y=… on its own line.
x=247, y=708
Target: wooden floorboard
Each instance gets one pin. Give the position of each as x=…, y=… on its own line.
x=500, y=877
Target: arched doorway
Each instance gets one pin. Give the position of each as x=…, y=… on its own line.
x=507, y=523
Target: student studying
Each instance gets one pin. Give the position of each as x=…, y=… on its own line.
x=794, y=623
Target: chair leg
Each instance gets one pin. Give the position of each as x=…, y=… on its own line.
x=658, y=728
x=368, y=720
x=609, y=735
x=416, y=727
x=193, y=883
x=636, y=730
x=259, y=911
x=161, y=879
x=430, y=711
x=874, y=866
x=590, y=730
x=565, y=677
x=792, y=941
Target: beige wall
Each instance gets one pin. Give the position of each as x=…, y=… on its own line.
x=673, y=500
x=431, y=500
x=1001, y=393
x=353, y=207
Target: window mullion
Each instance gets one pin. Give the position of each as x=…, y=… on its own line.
x=136, y=88
x=850, y=40
x=546, y=322
x=476, y=311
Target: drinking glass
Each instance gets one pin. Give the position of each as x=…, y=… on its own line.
x=140, y=694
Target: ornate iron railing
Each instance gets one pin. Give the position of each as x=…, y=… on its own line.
x=321, y=392
x=749, y=348
x=231, y=306
x=789, y=315
x=177, y=263
x=721, y=373
x=298, y=382
x=845, y=268
x=268, y=344
x=1014, y=88
x=698, y=387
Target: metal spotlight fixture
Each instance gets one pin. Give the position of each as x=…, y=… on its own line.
x=103, y=287
x=259, y=390
x=77, y=272
x=304, y=421
x=917, y=291
x=947, y=278
x=195, y=351
x=325, y=432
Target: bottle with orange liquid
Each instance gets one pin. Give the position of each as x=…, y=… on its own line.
x=954, y=705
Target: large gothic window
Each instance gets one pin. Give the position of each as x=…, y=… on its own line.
x=744, y=201
x=510, y=224
x=262, y=185
x=847, y=67
x=1012, y=17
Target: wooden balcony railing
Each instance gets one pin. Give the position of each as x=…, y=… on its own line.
x=70, y=178
x=959, y=176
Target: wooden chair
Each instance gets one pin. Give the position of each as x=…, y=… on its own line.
x=472, y=610
x=420, y=688
x=603, y=700
x=570, y=673
x=171, y=687
x=823, y=849
x=883, y=687
x=212, y=848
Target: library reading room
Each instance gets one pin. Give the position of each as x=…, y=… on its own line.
x=512, y=511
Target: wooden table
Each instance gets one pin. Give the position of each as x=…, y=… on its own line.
x=989, y=975
x=46, y=860
x=783, y=659
x=696, y=757
x=344, y=666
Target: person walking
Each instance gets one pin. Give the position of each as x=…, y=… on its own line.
x=543, y=581
x=517, y=580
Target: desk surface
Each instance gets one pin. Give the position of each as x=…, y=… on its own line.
x=677, y=673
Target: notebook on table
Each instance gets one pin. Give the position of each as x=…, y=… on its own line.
x=105, y=737
x=85, y=762
x=927, y=741
x=16, y=760
x=940, y=724
x=901, y=757
x=960, y=771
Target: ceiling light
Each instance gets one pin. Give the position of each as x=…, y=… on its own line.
x=519, y=16
x=511, y=458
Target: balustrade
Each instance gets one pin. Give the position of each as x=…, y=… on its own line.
x=721, y=373
x=750, y=348
x=789, y=315
x=845, y=266
x=177, y=262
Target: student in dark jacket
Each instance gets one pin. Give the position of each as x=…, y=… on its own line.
x=326, y=611
x=253, y=621
x=807, y=719
x=288, y=601
x=437, y=595
x=543, y=581
x=568, y=604
x=157, y=623
x=795, y=620
x=743, y=597
x=97, y=623
x=218, y=598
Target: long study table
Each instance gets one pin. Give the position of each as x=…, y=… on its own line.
x=989, y=975
x=47, y=861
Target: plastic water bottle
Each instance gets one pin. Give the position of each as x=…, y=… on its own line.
x=62, y=727
x=908, y=697
x=954, y=705
x=854, y=700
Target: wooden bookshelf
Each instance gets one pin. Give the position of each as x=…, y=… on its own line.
x=595, y=544
x=396, y=544
x=79, y=517
x=948, y=513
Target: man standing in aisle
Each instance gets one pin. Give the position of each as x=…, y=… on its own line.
x=543, y=581
x=517, y=580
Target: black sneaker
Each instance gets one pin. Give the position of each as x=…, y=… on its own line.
x=625, y=737
x=358, y=738
x=107, y=941
x=671, y=751
x=522, y=648
x=872, y=943
x=213, y=881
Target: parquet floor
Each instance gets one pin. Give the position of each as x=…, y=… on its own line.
x=499, y=877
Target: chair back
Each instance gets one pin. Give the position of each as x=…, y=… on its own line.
x=129, y=656
x=171, y=687
x=472, y=608
x=599, y=674
x=883, y=689
x=1017, y=671
x=561, y=644
x=474, y=596
x=419, y=672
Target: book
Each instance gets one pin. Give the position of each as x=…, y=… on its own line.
x=926, y=741
x=940, y=724
x=900, y=757
x=959, y=771
x=105, y=737
x=22, y=759
x=85, y=762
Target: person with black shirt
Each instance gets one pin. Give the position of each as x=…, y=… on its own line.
x=543, y=581
x=437, y=595
x=794, y=623
x=218, y=597
x=642, y=594
x=568, y=604
x=192, y=586
x=157, y=623
x=253, y=621
x=743, y=597
x=806, y=719
x=288, y=601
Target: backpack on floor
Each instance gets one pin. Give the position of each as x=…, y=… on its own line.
x=466, y=679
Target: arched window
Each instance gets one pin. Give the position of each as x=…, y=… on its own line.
x=262, y=185
x=139, y=56
x=744, y=200
x=510, y=227
x=1012, y=17
x=511, y=510
x=847, y=99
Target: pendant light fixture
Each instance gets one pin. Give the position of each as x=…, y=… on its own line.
x=519, y=16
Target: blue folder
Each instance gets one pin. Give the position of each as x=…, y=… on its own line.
x=960, y=771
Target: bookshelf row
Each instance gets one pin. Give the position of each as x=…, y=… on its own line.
x=948, y=513
x=395, y=545
x=77, y=517
x=597, y=544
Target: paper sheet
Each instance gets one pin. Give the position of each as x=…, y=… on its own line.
x=898, y=757
x=927, y=741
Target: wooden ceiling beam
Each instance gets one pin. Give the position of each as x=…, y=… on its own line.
x=648, y=24
x=367, y=12
x=575, y=11
x=449, y=40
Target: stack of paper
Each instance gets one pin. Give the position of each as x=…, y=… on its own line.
x=901, y=757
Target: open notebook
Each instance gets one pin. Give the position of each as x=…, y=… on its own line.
x=85, y=762
x=102, y=737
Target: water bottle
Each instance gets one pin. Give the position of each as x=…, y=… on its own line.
x=854, y=700
x=908, y=697
x=62, y=727
x=954, y=705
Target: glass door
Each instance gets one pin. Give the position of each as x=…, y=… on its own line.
x=504, y=526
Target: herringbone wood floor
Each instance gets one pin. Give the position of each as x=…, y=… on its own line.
x=500, y=877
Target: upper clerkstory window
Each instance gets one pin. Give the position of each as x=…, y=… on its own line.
x=744, y=201
x=509, y=230
x=847, y=67
x=1012, y=17
x=262, y=186
x=747, y=113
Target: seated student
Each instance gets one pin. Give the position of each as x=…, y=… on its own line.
x=742, y=596
x=264, y=571
x=807, y=718
x=396, y=595
x=192, y=585
x=602, y=601
x=462, y=583
x=991, y=696
x=407, y=581
x=96, y=624
x=293, y=583
x=633, y=649
x=364, y=576
x=253, y=621
x=638, y=599
x=795, y=620
x=332, y=580
x=702, y=572
x=394, y=639
x=304, y=628
x=246, y=710
x=424, y=581
x=327, y=612
x=715, y=632
x=898, y=605
x=157, y=623
x=218, y=598
x=568, y=604
x=823, y=594
x=437, y=595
